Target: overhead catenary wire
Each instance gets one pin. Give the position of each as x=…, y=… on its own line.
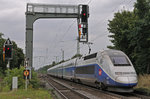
x=68, y=29
x=101, y=35
x=104, y=34
x=66, y=32
x=55, y=42
x=103, y=20
x=89, y=1
x=71, y=25
x=73, y=22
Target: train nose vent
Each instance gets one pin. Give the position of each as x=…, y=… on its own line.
x=124, y=73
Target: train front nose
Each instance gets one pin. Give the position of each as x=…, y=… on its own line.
x=127, y=81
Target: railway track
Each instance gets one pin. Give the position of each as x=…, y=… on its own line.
x=70, y=90
x=64, y=91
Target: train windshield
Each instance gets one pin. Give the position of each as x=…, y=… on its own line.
x=120, y=61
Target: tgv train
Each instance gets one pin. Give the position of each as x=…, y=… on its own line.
x=109, y=69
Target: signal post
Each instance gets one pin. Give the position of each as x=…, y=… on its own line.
x=26, y=73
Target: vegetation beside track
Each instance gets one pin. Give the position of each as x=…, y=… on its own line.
x=6, y=84
x=18, y=56
x=26, y=94
x=143, y=85
x=34, y=90
x=130, y=33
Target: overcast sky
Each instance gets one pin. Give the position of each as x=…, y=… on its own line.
x=52, y=35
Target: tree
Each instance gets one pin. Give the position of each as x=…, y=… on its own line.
x=142, y=50
x=18, y=56
x=130, y=33
x=2, y=63
x=121, y=29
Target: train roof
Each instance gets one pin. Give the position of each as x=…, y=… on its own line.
x=114, y=52
x=90, y=56
x=71, y=61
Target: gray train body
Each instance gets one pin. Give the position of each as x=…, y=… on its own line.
x=108, y=69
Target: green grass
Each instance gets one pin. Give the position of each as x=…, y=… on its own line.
x=23, y=94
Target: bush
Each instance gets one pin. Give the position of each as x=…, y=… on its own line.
x=33, y=83
x=5, y=89
x=1, y=73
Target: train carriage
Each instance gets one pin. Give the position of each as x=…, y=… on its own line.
x=108, y=69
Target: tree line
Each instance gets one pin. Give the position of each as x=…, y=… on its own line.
x=18, y=56
x=130, y=32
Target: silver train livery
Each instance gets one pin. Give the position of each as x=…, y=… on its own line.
x=109, y=69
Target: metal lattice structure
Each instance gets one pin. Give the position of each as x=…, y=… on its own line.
x=46, y=8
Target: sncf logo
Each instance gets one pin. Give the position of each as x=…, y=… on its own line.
x=100, y=72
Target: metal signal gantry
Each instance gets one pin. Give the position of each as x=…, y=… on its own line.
x=36, y=11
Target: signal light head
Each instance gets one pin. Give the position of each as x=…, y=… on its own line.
x=84, y=14
x=8, y=51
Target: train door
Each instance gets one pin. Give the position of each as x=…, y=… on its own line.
x=62, y=71
x=74, y=75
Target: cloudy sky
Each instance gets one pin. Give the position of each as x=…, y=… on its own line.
x=52, y=35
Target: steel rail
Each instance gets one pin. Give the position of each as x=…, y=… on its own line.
x=59, y=92
x=117, y=95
